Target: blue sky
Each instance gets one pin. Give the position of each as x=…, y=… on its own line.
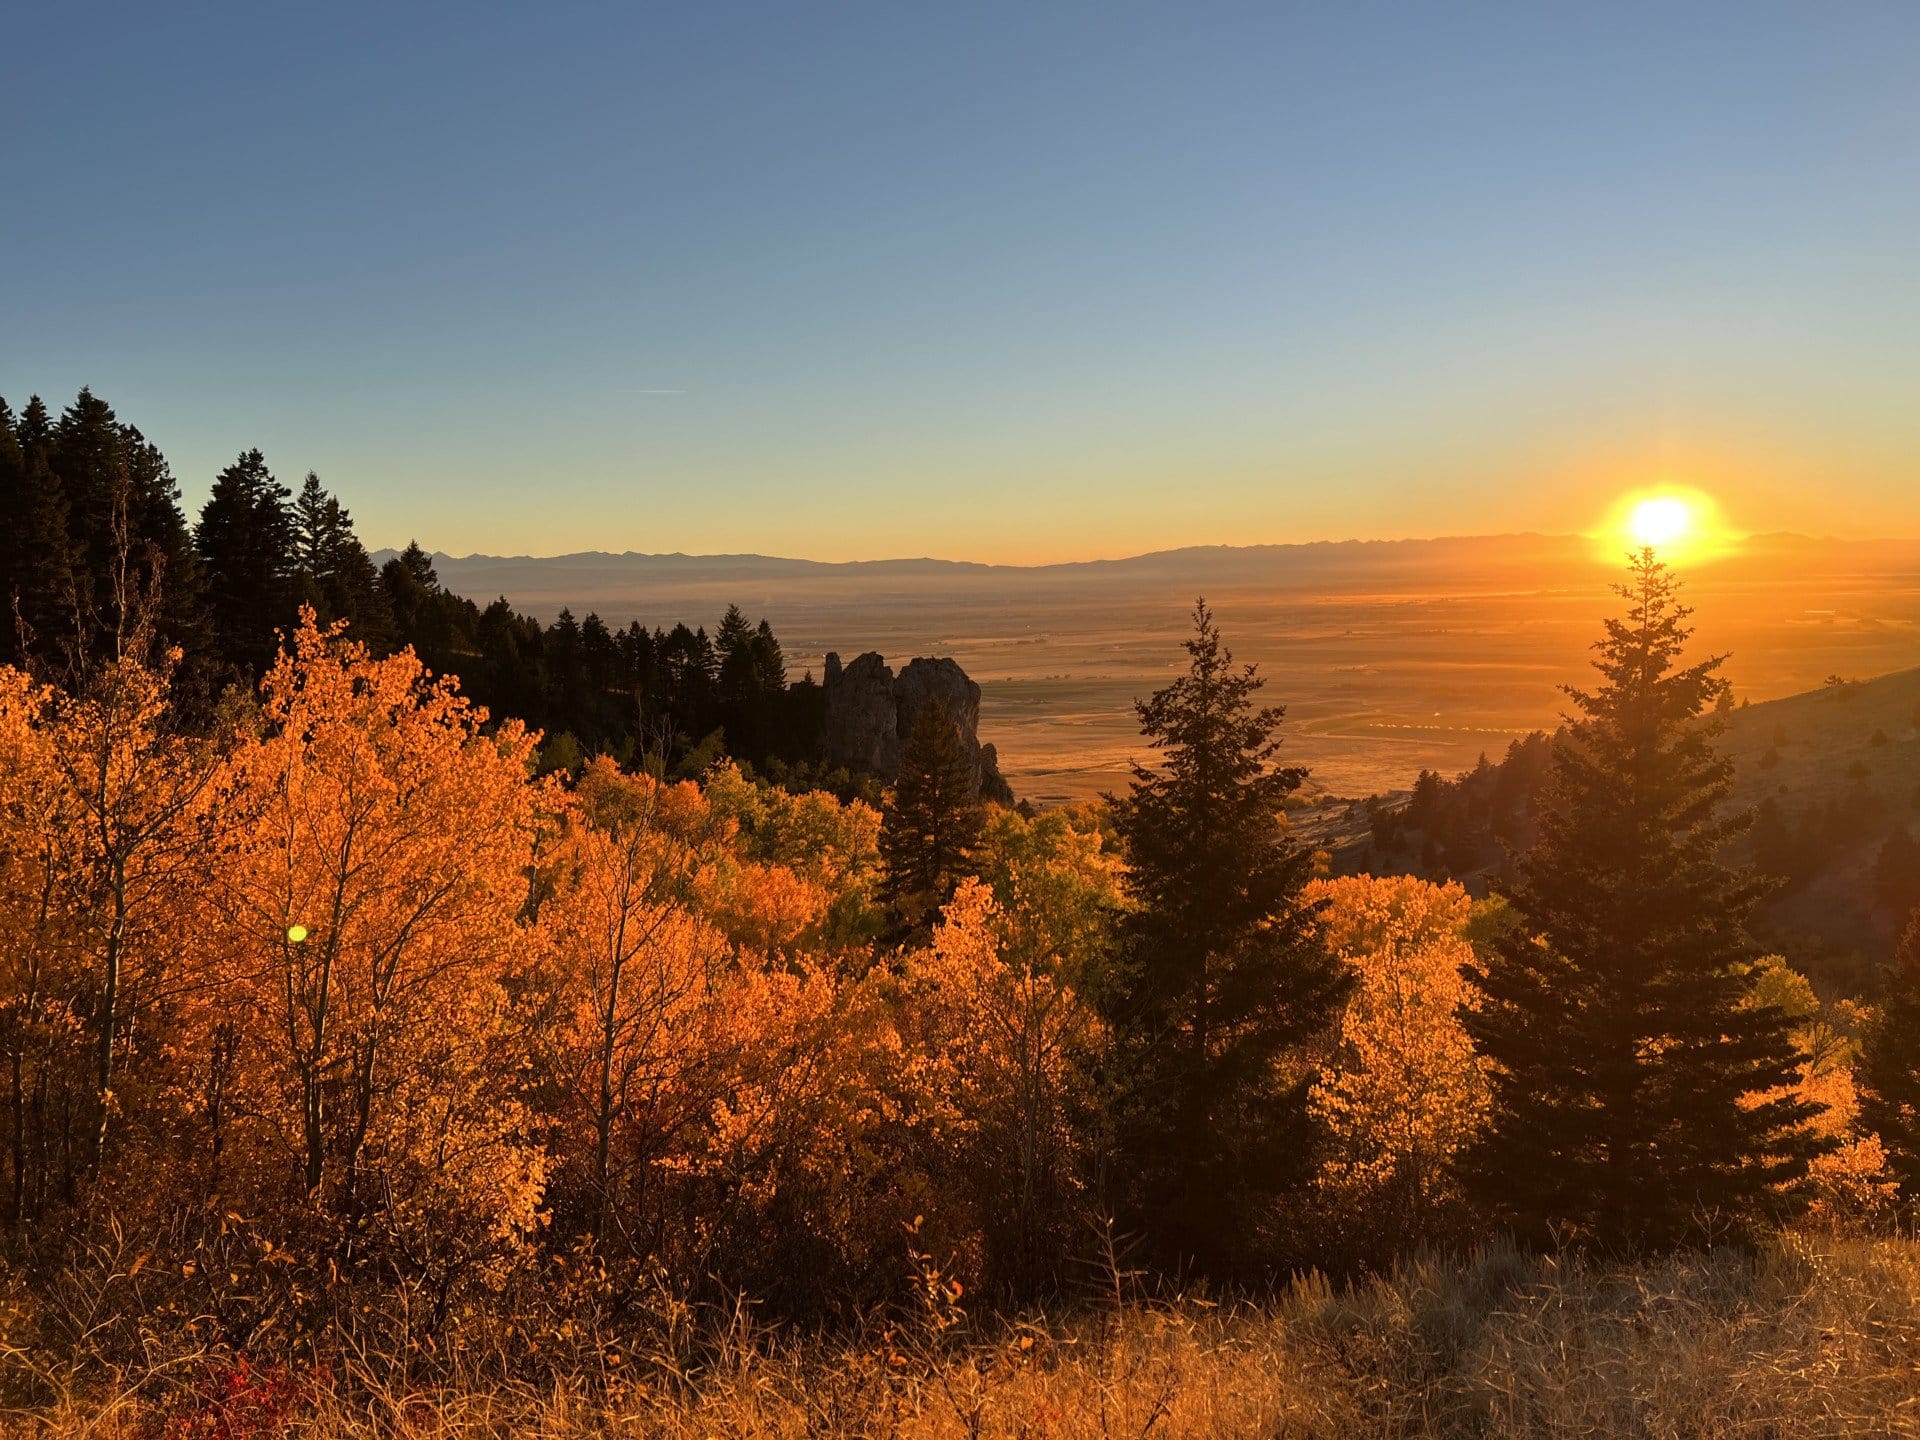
x=1000, y=282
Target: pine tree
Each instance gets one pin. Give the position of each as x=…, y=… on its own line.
x=1889, y=1071
x=1641, y=1095
x=35, y=578
x=1221, y=977
x=159, y=525
x=246, y=544
x=333, y=572
x=126, y=536
x=931, y=822
x=769, y=663
x=33, y=544
x=733, y=645
x=85, y=455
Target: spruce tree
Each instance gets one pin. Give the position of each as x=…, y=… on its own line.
x=84, y=452
x=333, y=572
x=733, y=645
x=1889, y=1070
x=126, y=536
x=769, y=662
x=1641, y=1095
x=1221, y=976
x=736, y=690
x=246, y=544
x=35, y=581
x=931, y=822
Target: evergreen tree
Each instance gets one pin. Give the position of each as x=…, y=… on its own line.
x=751, y=685
x=1889, y=1070
x=35, y=578
x=1221, y=976
x=418, y=565
x=636, y=657
x=85, y=455
x=684, y=699
x=769, y=662
x=931, y=822
x=246, y=544
x=1641, y=1094
x=35, y=430
x=733, y=647
x=126, y=536
x=333, y=572
x=420, y=608
x=567, y=694
x=598, y=653
x=161, y=526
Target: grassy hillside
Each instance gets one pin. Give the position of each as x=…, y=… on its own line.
x=1833, y=775
x=1861, y=734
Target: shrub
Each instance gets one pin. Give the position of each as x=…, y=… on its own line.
x=234, y=1400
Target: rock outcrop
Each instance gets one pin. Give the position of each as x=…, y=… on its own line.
x=871, y=711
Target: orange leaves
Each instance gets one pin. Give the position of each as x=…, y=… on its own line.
x=1404, y=1091
x=1000, y=1042
x=1853, y=1187
x=386, y=824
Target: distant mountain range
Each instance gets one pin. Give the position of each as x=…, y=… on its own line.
x=541, y=585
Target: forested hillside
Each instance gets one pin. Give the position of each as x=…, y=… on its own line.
x=91, y=530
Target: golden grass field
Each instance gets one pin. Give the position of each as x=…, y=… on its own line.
x=1811, y=1337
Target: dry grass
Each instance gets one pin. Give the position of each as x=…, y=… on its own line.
x=1812, y=1337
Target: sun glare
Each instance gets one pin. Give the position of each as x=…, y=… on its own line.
x=1660, y=521
x=1676, y=524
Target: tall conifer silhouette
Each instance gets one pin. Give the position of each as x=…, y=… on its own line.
x=1222, y=975
x=1640, y=1094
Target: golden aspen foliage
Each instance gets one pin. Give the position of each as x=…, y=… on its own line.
x=631, y=1026
x=998, y=1007
x=42, y=1033
x=1403, y=1090
x=1853, y=1188
x=139, y=785
x=393, y=834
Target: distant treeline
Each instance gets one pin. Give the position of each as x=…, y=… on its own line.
x=91, y=529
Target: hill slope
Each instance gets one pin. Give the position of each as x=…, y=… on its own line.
x=1833, y=776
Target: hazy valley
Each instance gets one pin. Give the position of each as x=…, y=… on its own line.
x=1391, y=657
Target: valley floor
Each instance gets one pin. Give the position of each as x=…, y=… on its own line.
x=1811, y=1337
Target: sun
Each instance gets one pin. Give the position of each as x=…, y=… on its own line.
x=1660, y=521
x=1675, y=524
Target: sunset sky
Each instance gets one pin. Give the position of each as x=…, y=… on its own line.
x=1001, y=282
